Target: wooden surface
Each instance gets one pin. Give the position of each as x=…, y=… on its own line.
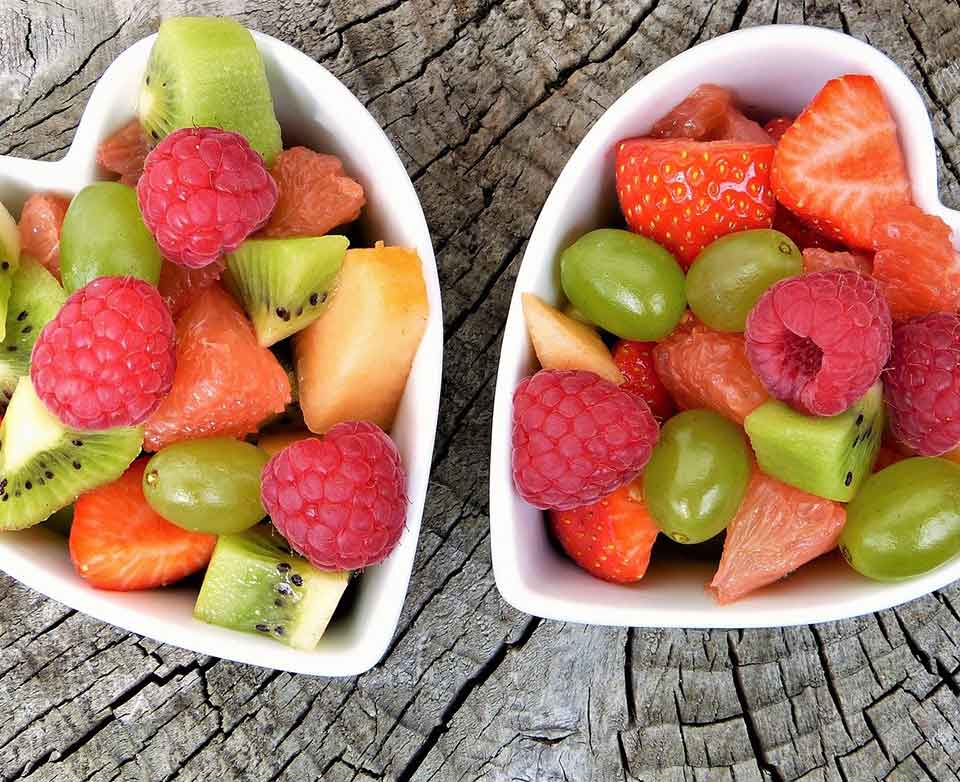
x=485, y=99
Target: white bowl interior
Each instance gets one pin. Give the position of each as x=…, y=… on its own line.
x=316, y=109
x=773, y=70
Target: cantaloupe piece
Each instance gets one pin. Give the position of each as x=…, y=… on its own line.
x=561, y=342
x=353, y=361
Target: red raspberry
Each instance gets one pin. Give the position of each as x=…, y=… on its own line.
x=819, y=341
x=922, y=383
x=577, y=438
x=108, y=358
x=203, y=191
x=340, y=501
x=635, y=362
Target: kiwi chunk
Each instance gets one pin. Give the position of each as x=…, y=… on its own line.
x=207, y=71
x=829, y=457
x=45, y=466
x=255, y=584
x=9, y=261
x=285, y=283
x=35, y=298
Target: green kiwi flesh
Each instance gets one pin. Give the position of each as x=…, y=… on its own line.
x=284, y=284
x=45, y=466
x=829, y=457
x=35, y=298
x=207, y=71
x=255, y=584
x=9, y=261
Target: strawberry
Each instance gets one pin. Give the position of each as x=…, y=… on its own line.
x=610, y=539
x=840, y=162
x=684, y=194
x=635, y=362
x=118, y=542
x=777, y=127
x=803, y=235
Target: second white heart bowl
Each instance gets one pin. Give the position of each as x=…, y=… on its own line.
x=773, y=70
x=316, y=110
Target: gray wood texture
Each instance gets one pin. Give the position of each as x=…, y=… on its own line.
x=485, y=99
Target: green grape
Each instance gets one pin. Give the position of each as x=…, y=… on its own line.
x=729, y=275
x=624, y=283
x=207, y=485
x=697, y=475
x=905, y=520
x=103, y=234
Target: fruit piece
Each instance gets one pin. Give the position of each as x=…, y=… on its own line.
x=274, y=442
x=730, y=274
x=315, y=194
x=255, y=585
x=208, y=71
x=624, y=283
x=829, y=457
x=44, y=465
x=179, y=285
x=915, y=264
x=905, y=521
x=225, y=383
x=124, y=151
x=561, y=342
x=576, y=438
x=840, y=163
x=283, y=284
x=210, y=485
x=922, y=383
x=41, y=221
x=685, y=194
x=353, y=361
x=611, y=538
x=818, y=260
x=635, y=361
x=803, y=234
x=697, y=475
x=776, y=127
x=704, y=368
x=203, y=191
x=107, y=359
x=118, y=542
x=103, y=234
x=9, y=261
x=819, y=341
x=708, y=114
x=776, y=530
x=35, y=298
x=341, y=501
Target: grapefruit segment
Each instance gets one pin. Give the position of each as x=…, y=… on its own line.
x=40, y=222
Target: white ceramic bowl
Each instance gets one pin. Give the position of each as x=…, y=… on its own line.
x=773, y=70
x=317, y=110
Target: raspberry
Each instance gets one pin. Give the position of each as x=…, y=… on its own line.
x=819, y=341
x=577, y=438
x=922, y=383
x=203, y=191
x=340, y=501
x=108, y=358
x=635, y=362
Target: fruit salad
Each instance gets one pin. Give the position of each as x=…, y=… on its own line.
x=761, y=363
x=198, y=371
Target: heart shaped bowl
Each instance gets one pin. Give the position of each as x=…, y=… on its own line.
x=314, y=109
x=773, y=70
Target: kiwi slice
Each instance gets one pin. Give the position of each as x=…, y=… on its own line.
x=283, y=284
x=255, y=584
x=207, y=71
x=35, y=298
x=9, y=261
x=45, y=466
x=829, y=457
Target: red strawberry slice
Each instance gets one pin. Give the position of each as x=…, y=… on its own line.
x=803, y=235
x=840, y=162
x=684, y=194
x=118, y=542
x=776, y=127
x=636, y=364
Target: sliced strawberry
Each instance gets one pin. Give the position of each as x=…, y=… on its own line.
x=776, y=127
x=118, y=542
x=684, y=194
x=610, y=539
x=803, y=235
x=635, y=362
x=817, y=260
x=840, y=163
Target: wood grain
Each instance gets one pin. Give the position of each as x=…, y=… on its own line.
x=485, y=99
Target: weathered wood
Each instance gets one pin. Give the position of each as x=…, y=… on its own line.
x=485, y=100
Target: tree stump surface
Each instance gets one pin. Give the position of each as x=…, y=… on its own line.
x=485, y=101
